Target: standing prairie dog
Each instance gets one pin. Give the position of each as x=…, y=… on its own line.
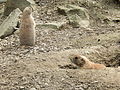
x=84, y=62
x=27, y=28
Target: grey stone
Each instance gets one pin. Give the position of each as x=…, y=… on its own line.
x=52, y=25
x=7, y=27
x=1, y=11
x=78, y=16
x=2, y=1
x=13, y=4
x=21, y=88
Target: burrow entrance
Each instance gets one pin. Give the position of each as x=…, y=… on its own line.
x=113, y=62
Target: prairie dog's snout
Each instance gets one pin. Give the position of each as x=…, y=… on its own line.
x=78, y=60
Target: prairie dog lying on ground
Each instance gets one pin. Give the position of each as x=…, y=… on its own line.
x=27, y=28
x=84, y=62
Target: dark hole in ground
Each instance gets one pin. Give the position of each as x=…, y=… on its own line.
x=117, y=2
x=118, y=42
x=116, y=21
x=69, y=66
x=114, y=62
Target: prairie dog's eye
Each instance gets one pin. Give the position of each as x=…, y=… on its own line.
x=76, y=57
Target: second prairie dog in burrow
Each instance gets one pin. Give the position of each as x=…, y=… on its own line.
x=84, y=62
x=27, y=28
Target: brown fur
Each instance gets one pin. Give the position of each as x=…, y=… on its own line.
x=27, y=28
x=85, y=63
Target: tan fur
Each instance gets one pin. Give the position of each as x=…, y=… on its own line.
x=27, y=28
x=85, y=63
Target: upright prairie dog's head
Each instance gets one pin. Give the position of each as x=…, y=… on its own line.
x=27, y=11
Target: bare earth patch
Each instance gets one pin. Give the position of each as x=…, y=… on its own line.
x=47, y=66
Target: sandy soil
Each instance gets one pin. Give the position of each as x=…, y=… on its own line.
x=46, y=66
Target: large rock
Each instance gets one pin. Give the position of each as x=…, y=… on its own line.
x=78, y=16
x=2, y=1
x=13, y=4
x=8, y=25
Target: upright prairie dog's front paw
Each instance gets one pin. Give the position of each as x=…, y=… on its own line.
x=84, y=62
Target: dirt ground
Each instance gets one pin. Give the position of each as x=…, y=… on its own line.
x=46, y=66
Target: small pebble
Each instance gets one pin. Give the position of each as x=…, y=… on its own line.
x=33, y=89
